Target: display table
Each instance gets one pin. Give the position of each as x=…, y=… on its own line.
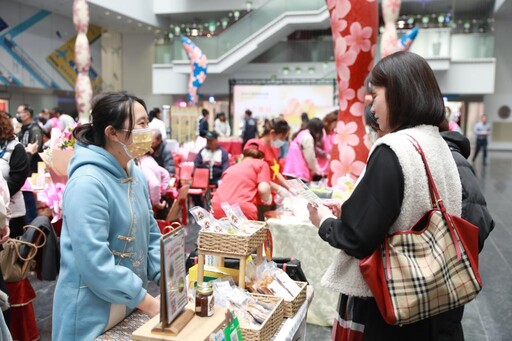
x=300, y=239
x=292, y=329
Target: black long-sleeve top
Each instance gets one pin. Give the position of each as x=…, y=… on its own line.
x=18, y=169
x=371, y=209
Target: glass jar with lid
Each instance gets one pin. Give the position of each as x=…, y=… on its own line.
x=204, y=299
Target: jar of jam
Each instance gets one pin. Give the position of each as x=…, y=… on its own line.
x=204, y=299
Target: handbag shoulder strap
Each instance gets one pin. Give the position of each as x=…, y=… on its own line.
x=16, y=243
x=434, y=194
x=41, y=234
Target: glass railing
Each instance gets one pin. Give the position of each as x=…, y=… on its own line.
x=298, y=51
x=472, y=46
x=247, y=26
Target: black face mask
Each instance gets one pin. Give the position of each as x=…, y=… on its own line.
x=18, y=118
x=43, y=120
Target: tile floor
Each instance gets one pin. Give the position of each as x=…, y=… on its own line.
x=487, y=318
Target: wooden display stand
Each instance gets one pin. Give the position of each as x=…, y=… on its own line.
x=242, y=258
x=198, y=328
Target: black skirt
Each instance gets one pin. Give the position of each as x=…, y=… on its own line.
x=360, y=319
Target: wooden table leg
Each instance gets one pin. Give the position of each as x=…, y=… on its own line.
x=200, y=267
x=241, y=276
x=259, y=255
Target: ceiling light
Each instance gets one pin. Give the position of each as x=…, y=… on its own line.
x=298, y=70
x=129, y=21
x=139, y=24
x=149, y=28
x=177, y=30
x=311, y=70
x=107, y=13
x=157, y=31
x=194, y=32
x=211, y=99
x=118, y=17
x=236, y=14
x=286, y=70
x=248, y=5
x=212, y=26
x=224, y=21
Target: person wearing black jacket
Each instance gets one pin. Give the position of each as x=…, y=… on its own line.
x=14, y=168
x=203, y=123
x=474, y=210
x=30, y=132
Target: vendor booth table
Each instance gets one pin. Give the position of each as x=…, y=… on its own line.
x=301, y=239
x=292, y=329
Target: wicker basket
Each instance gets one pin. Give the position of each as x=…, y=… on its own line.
x=291, y=307
x=267, y=330
x=233, y=244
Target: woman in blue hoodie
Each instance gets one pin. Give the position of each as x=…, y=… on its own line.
x=110, y=240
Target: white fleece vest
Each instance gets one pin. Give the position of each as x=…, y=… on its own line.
x=17, y=203
x=343, y=274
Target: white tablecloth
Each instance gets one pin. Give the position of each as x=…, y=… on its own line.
x=293, y=238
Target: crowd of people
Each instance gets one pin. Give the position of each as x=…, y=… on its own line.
x=123, y=164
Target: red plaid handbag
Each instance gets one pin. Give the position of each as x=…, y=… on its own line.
x=427, y=270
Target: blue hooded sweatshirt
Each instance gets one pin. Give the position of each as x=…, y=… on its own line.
x=110, y=245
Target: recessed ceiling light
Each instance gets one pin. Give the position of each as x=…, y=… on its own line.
x=129, y=21
x=107, y=13
x=139, y=24
x=118, y=17
x=157, y=31
x=149, y=28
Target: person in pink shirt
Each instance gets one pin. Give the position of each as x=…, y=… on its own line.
x=158, y=181
x=301, y=162
x=323, y=149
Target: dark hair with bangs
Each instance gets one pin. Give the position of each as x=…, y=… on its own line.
x=412, y=93
x=279, y=126
x=108, y=109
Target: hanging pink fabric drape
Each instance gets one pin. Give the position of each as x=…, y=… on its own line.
x=354, y=27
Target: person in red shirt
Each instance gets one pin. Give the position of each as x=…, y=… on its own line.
x=247, y=183
x=275, y=133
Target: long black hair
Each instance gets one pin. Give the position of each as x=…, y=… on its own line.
x=316, y=129
x=108, y=109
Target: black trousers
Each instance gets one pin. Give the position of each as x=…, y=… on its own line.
x=481, y=143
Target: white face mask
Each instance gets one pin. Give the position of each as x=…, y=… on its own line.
x=278, y=143
x=141, y=144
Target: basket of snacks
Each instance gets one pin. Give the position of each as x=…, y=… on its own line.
x=259, y=315
x=267, y=279
x=234, y=235
x=269, y=326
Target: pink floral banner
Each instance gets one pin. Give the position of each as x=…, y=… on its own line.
x=354, y=27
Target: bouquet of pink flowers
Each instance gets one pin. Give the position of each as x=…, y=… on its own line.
x=59, y=153
x=57, y=157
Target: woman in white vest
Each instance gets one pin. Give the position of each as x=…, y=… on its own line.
x=392, y=194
